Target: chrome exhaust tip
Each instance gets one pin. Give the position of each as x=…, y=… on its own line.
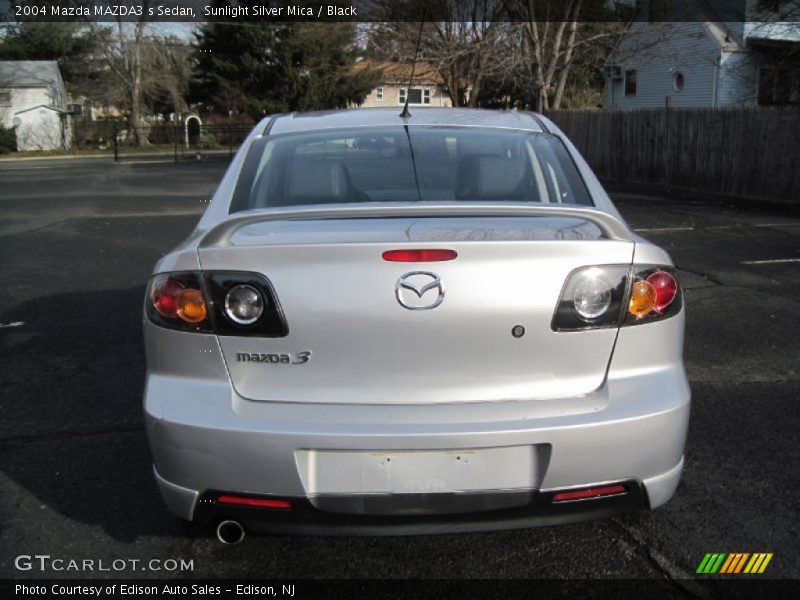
x=230, y=532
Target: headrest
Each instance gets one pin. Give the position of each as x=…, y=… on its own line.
x=490, y=177
x=315, y=180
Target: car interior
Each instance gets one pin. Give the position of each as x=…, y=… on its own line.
x=436, y=165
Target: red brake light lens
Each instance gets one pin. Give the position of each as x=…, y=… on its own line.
x=165, y=297
x=427, y=255
x=666, y=289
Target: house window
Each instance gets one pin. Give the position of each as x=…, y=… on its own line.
x=379, y=93
x=778, y=87
x=678, y=81
x=416, y=96
x=5, y=97
x=630, y=82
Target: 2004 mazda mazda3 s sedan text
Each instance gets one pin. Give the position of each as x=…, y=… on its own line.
x=421, y=324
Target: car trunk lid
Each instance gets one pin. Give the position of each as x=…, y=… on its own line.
x=344, y=305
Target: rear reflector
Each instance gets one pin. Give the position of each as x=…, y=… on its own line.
x=586, y=493
x=255, y=502
x=431, y=255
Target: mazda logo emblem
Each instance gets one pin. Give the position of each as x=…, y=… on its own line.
x=419, y=290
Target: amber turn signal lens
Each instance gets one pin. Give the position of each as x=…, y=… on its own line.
x=643, y=299
x=191, y=306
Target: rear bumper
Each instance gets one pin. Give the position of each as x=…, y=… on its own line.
x=539, y=510
x=305, y=519
x=206, y=439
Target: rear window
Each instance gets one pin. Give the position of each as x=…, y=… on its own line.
x=395, y=165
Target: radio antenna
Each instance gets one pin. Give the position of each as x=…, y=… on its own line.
x=405, y=114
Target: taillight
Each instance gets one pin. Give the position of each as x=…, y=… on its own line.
x=666, y=289
x=165, y=297
x=225, y=302
x=245, y=304
x=615, y=295
x=192, y=306
x=643, y=298
x=176, y=301
x=592, y=298
x=655, y=294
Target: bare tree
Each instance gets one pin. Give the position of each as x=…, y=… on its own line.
x=461, y=42
x=122, y=51
x=172, y=62
x=139, y=64
x=462, y=47
x=549, y=37
x=525, y=50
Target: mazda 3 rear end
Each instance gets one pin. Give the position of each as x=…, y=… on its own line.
x=420, y=324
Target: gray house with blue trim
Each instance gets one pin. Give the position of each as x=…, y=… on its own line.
x=706, y=53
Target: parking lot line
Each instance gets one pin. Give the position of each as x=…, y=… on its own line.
x=775, y=261
x=663, y=229
x=743, y=225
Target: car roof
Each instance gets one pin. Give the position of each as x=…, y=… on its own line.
x=387, y=117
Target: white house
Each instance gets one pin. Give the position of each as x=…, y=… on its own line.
x=427, y=87
x=33, y=101
x=705, y=53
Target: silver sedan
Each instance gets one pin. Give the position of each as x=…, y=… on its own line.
x=430, y=323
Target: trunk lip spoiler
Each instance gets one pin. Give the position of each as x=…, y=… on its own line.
x=221, y=233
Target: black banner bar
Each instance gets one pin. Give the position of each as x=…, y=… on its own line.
x=356, y=589
x=276, y=11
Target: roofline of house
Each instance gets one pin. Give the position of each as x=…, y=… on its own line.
x=415, y=83
x=715, y=29
x=26, y=85
x=47, y=106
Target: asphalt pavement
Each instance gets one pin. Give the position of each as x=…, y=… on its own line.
x=77, y=241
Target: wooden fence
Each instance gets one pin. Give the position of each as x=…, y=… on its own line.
x=753, y=152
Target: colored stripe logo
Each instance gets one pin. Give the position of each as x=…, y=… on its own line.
x=734, y=563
